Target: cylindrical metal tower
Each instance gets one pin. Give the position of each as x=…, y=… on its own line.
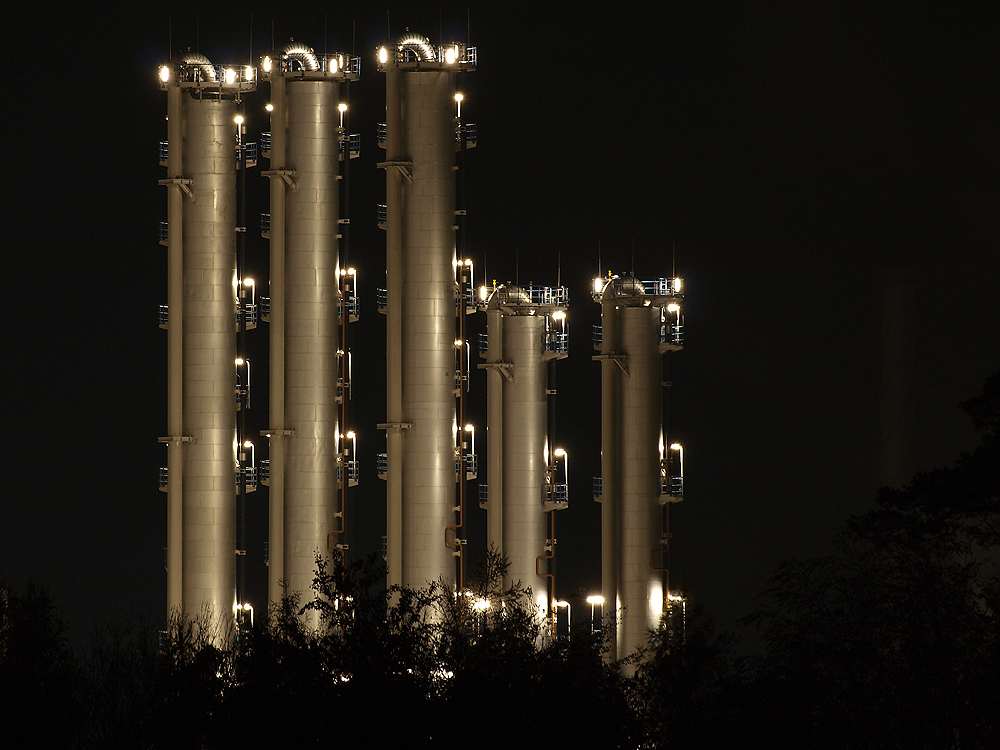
x=640, y=320
x=421, y=305
x=305, y=287
x=202, y=297
x=525, y=330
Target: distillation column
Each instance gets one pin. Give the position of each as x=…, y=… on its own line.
x=640, y=320
x=420, y=306
x=525, y=330
x=305, y=295
x=201, y=330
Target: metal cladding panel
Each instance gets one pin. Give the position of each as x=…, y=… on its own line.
x=640, y=587
x=209, y=517
x=524, y=433
x=427, y=356
x=311, y=335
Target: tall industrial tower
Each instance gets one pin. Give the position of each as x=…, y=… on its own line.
x=423, y=310
x=641, y=470
x=526, y=470
x=201, y=322
x=311, y=301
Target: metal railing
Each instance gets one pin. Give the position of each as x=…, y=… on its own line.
x=333, y=63
x=468, y=131
x=471, y=466
x=536, y=295
x=222, y=75
x=247, y=476
x=672, y=486
x=556, y=341
x=467, y=295
x=672, y=333
x=353, y=305
x=353, y=141
x=250, y=154
x=628, y=286
x=353, y=472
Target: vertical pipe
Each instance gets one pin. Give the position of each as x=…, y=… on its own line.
x=175, y=348
x=209, y=567
x=610, y=489
x=394, y=326
x=524, y=464
x=311, y=335
x=428, y=328
x=494, y=431
x=276, y=404
x=241, y=352
x=640, y=587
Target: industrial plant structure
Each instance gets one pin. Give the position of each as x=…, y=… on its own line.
x=526, y=472
x=201, y=321
x=641, y=470
x=425, y=307
x=430, y=291
x=312, y=298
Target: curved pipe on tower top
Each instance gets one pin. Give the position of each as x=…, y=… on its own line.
x=303, y=53
x=419, y=45
x=196, y=58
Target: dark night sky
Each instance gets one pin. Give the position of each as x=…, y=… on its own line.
x=778, y=154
